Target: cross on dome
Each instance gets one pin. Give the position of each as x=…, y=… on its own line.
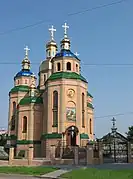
x=76, y=54
x=113, y=121
x=114, y=125
x=52, y=30
x=26, y=51
x=65, y=26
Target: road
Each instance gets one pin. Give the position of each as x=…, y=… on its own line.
x=2, y=176
x=112, y=166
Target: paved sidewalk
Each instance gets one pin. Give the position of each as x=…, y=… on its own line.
x=55, y=174
x=13, y=176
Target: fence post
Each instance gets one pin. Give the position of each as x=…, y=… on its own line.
x=52, y=154
x=30, y=155
x=100, y=152
x=47, y=150
x=11, y=155
x=89, y=154
x=129, y=158
x=76, y=155
x=61, y=152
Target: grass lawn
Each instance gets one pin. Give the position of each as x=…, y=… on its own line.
x=27, y=170
x=99, y=174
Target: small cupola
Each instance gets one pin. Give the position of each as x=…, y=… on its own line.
x=25, y=71
x=65, y=42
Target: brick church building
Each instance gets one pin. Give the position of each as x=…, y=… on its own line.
x=57, y=107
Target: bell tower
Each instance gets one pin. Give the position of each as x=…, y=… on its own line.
x=45, y=69
x=69, y=114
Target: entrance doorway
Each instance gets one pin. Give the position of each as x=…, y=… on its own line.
x=71, y=135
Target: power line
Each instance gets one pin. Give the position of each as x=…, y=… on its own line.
x=107, y=64
x=84, y=64
x=114, y=115
x=97, y=7
x=25, y=27
x=68, y=15
x=105, y=116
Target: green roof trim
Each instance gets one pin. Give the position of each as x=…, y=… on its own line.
x=51, y=136
x=67, y=75
x=89, y=105
x=88, y=94
x=91, y=142
x=41, y=91
x=21, y=88
x=84, y=136
x=12, y=137
x=29, y=100
x=26, y=142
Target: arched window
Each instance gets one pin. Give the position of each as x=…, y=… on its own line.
x=53, y=53
x=24, y=124
x=18, y=82
x=14, y=107
x=55, y=109
x=44, y=78
x=68, y=66
x=77, y=68
x=58, y=66
x=83, y=110
x=12, y=123
x=48, y=53
x=26, y=82
x=90, y=126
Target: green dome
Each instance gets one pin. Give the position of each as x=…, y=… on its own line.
x=29, y=100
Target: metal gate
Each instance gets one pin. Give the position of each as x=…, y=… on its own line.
x=115, y=152
x=82, y=156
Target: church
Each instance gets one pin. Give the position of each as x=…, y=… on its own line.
x=57, y=108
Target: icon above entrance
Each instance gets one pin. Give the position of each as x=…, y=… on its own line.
x=71, y=135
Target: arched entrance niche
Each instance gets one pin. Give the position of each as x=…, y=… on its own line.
x=71, y=135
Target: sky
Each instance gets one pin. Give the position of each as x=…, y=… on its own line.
x=100, y=36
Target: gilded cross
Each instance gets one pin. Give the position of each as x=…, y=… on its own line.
x=26, y=51
x=65, y=26
x=76, y=54
x=52, y=30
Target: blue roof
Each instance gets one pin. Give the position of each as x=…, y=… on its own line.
x=66, y=53
x=24, y=73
